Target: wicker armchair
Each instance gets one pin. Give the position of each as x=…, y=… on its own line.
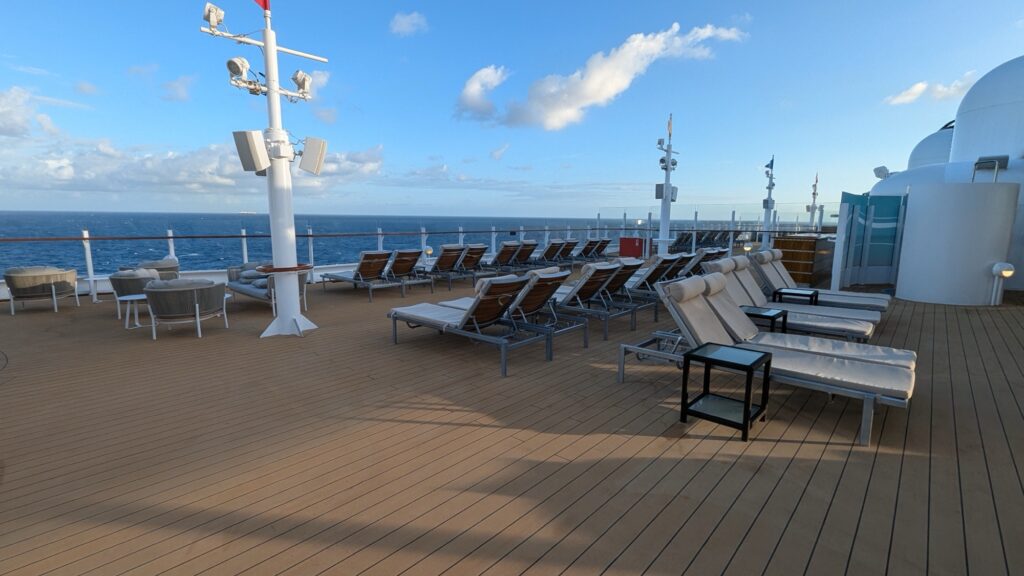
x=129, y=287
x=185, y=301
x=41, y=283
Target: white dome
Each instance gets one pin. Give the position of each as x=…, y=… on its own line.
x=896, y=184
x=934, y=149
x=990, y=120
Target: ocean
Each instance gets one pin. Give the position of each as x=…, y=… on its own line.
x=205, y=254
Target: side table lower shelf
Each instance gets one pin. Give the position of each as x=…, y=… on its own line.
x=721, y=409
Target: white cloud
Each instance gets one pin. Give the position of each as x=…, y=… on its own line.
x=33, y=70
x=954, y=89
x=60, y=102
x=16, y=112
x=556, y=101
x=326, y=115
x=87, y=88
x=320, y=80
x=935, y=90
x=408, y=24
x=909, y=95
x=47, y=125
x=177, y=90
x=498, y=152
x=473, y=101
x=143, y=69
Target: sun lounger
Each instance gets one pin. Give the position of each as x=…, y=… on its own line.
x=796, y=321
x=482, y=321
x=403, y=269
x=762, y=263
x=534, y=306
x=567, y=249
x=446, y=265
x=586, y=252
x=858, y=375
x=471, y=264
x=616, y=295
x=681, y=267
x=600, y=248
x=586, y=298
x=753, y=290
x=369, y=273
x=521, y=259
x=550, y=254
x=643, y=280
x=788, y=281
x=504, y=258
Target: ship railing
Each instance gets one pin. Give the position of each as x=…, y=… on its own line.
x=731, y=235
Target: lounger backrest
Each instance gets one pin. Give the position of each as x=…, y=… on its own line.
x=593, y=279
x=567, y=249
x=787, y=279
x=449, y=258
x=525, y=251
x=537, y=294
x=601, y=247
x=678, y=265
x=493, y=298
x=474, y=254
x=405, y=262
x=763, y=261
x=693, y=315
x=739, y=326
x=693, y=266
x=623, y=274
x=372, y=263
x=554, y=247
x=506, y=253
x=588, y=249
x=747, y=281
x=178, y=298
x=726, y=267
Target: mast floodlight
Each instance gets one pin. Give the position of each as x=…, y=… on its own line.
x=303, y=82
x=238, y=67
x=213, y=15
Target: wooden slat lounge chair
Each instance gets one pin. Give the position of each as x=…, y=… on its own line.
x=534, y=306
x=600, y=248
x=471, y=265
x=483, y=321
x=871, y=374
x=859, y=330
x=446, y=265
x=41, y=283
x=185, y=301
x=369, y=273
x=550, y=254
x=565, y=256
x=615, y=296
x=785, y=280
x=521, y=260
x=677, y=266
x=505, y=256
x=587, y=251
x=753, y=289
x=584, y=297
x=403, y=270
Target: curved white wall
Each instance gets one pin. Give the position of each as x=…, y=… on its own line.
x=934, y=149
x=952, y=236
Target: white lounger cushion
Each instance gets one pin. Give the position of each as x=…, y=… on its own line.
x=744, y=330
x=788, y=279
x=432, y=315
x=840, y=348
x=750, y=286
x=885, y=380
x=763, y=260
x=461, y=303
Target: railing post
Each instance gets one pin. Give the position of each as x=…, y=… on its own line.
x=309, y=248
x=245, y=248
x=462, y=236
x=380, y=239
x=522, y=233
x=598, y=227
x=624, y=226
x=693, y=237
x=170, y=244
x=88, y=266
x=494, y=240
x=547, y=235
x=732, y=231
x=423, y=238
x=588, y=232
x=568, y=232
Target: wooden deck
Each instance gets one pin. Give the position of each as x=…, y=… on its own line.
x=341, y=453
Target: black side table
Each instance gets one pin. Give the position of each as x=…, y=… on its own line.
x=722, y=409
x=810, y=294
x=769, y=314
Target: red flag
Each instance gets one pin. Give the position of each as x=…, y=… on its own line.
x=265, y=4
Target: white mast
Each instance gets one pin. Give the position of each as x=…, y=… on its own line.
x=289, y=320
x=665, y=239
x=769, y=205
x=813, y=208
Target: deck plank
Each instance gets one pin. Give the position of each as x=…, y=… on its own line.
x=342, y=453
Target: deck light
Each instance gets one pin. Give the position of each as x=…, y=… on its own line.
x=428, y=251
x=747, y=248
x=238, y=67
x=213, y=15
x=1001, y=271
x=303, y=82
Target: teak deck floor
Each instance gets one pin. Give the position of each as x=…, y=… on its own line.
x=342, y=453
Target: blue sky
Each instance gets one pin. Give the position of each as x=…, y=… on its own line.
x=518, y=108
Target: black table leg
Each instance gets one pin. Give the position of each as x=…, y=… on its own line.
x=684, y=405
x=746, y=404
x=766, y=378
